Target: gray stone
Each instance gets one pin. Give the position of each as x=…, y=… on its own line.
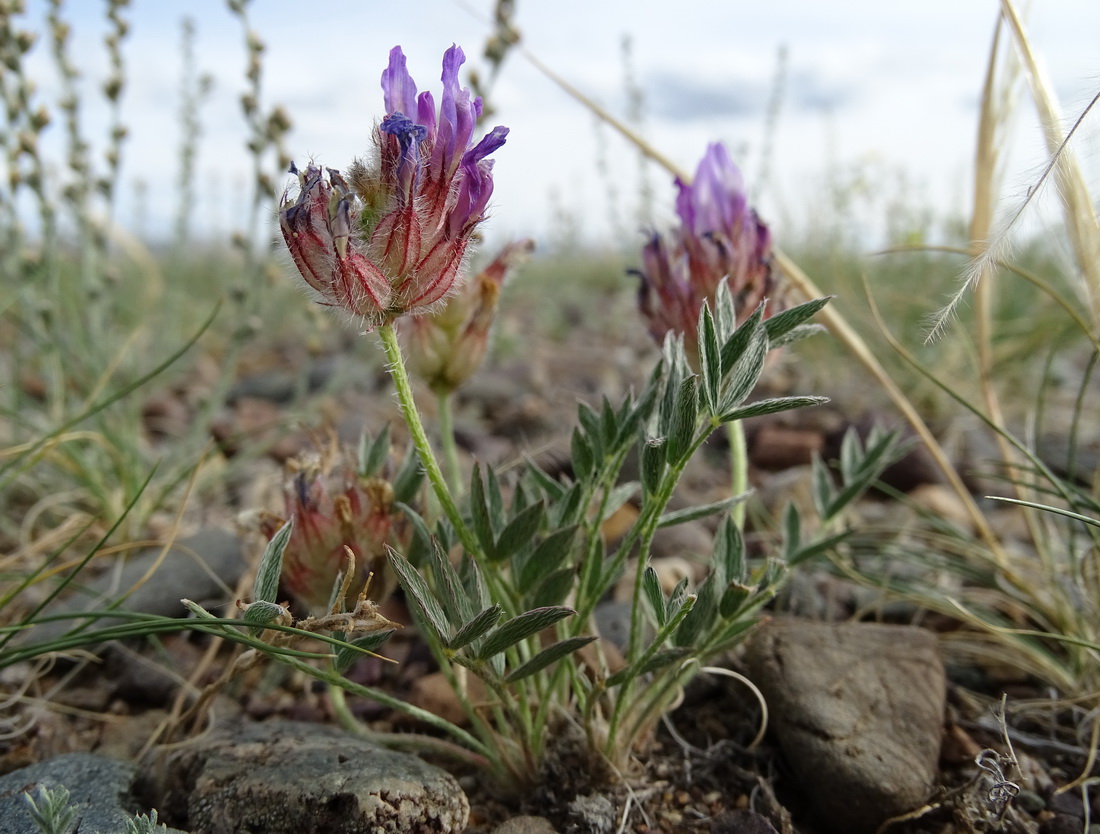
x=191, y=568
x=98, y=786
x=741, y=822
x=293, y=778
x=858, y=711
x=591, y=814
x=526, y=825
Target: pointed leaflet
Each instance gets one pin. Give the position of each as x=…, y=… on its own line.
x=477, y=627
x=417, y=550
x=520, y=499
x=552, y=589
x=260, y=613
x=729, y=552
x=701, y=617
x=683, y=421
x=519, y=531
x=745, y=373
x=783, y=323
x=803, y=331
x=710, y=359
x=550, y=487
x=821, y=484
x=448, y=587
x=496, y=499
x=651, y=587
x=409, y=477
x=864, y=467
x=568, y=510
x=792, y=531
x=589, y=422
x=424, y=603
x=733, y=599
x=725, y=311
x=373, y=453
x=619, y=496
x=473, y=583
x=609, y=427
x=520, y=628
x=702, y=511
x=639, y=412
x=817, y=547
x=547, y=656
x=851, y=453
x=736, y=344
x=653, y=463
x=582, y=454
x=770, y=406
x=266, y=587
x=676, y=599
x=479, y=510
x=677, y=367
x=547, y=557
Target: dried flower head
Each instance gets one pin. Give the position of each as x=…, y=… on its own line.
x=447, y=346
x=719, y=237
x=391, y=237
x=335, y=509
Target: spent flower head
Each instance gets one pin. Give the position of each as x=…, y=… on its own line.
x=719, y=238
x=335, y=508
x=446, y=347
x=390, y=238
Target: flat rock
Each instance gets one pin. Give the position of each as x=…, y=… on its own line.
x=526, y=825
x=98, y=786
x=194, y=567
x=858, y=711
x=296, y=778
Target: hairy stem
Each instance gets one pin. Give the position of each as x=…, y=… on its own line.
x=396, y=365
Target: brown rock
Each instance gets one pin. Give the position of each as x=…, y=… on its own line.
x=433, y=693
x=775, y=447
x=858, y=711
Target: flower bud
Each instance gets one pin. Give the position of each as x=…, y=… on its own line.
x=445, y=348
x=719, y=237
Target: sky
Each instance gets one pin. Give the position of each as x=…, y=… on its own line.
x=880, y=101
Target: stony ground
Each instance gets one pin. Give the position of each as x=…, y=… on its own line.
x=866, y=723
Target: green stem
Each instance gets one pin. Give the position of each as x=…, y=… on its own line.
x=447, y=438
x=409, y=411
x=342, y=712
x=739, y=468
x=413, y=742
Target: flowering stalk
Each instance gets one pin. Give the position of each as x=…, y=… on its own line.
x=719, y=239
x=396, y=367
x=739, y=467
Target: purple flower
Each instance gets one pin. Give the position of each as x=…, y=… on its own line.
x=391, y=238
x=719, y=237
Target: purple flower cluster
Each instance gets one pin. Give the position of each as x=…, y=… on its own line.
x=719, y=237
x=391, y=237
